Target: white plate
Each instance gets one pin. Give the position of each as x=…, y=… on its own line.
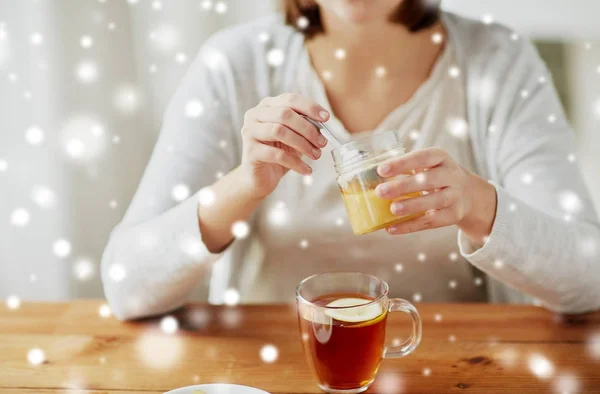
x=217, y=389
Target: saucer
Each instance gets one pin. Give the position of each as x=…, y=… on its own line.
x=217, y=389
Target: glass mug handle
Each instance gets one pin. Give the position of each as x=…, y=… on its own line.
x=408, y=346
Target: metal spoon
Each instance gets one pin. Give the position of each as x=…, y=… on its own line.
x=325, y=131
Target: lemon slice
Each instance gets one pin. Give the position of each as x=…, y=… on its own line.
x=353, y=312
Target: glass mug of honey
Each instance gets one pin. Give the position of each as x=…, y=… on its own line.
x=342, y=318
x=356, y=164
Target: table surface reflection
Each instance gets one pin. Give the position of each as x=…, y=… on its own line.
x=465, y=348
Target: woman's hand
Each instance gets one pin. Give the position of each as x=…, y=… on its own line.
x=454, y=195
x=275, y=136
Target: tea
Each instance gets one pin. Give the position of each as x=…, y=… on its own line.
x=344, y=340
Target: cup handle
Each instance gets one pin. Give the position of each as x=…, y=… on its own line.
x=408, y=346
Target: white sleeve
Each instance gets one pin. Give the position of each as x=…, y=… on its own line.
x=545, y=240
x=155, y=256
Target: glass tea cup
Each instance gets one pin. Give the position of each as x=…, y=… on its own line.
x=356, y=165
x=342, y=318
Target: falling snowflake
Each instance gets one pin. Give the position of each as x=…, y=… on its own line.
x=514, y=36
x=438, y=317
x=20, y=217
x=327, y=75
x=275, y=57
x=426, y=371
x=132, y=2
x=194, y=108
x=61, y=248
x=36, y=356
x=220, y=7
x=452, y=284
x=156, y=5
x=552, y=118
x=307, y=180
x=111, y=26
x=152, y=68
x=453, y=256
x=399, y=267
x=512, y=207
x=240, y=229
x=478, y=281
x=567, y=384
x=13, y=302
x=487, y=19
x=593, y=346
x=437, y=38
x=169, y=325
x=457, y=127
x=417, y=297
x=524, y=93
x=102, y=360
x=421, y=257
x=32, y=278
x=588, y=247
x=389, y=383
x=127, y=99
x=540, y=366
x=165, y=38
x=219, y=174
x=116, y=139
x=414, y=135
x=269, y=354
x=542, y=80
x=87, y=72
x=454, y=72
x=159, y=352
x=3, y=165
x=302, y=22
x=104, y=311
x=339, y=222
x=86, y=42
x=452, y=338
x=527, y=178
x=180, y=58
x=303, y=244
x=37, y=39
x=206, y=4
x=84, y=269
x=498, y=264
x=117, y=272
x=180, y=192
x=34, y=135
x=192, y=246
x=420, y=177
x=380, y=71
x=278, y=215
x=340, y=53
x=231, y=297
x=206, y=197
x=112, y=204
x=264, y=37
x=571, y=158
x=508, y=357
x=570, y=202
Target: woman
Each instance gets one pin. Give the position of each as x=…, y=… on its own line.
x=475, y=102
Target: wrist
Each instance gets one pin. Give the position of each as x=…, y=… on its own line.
x=247, y=189
x=479, y=218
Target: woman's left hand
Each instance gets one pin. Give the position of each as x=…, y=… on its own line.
x=454, y=195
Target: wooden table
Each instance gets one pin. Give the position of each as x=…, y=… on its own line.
x=465, y=348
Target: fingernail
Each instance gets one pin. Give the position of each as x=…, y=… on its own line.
x=324, y=115
x=307, y=169
x=384, y=169
x=382, y=189
x=392, y=230
x=397, y=207
x=322, y=140
x=316, y=153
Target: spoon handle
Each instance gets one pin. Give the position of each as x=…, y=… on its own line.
x=325, y=131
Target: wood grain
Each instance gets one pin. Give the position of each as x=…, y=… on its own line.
x=471, y=348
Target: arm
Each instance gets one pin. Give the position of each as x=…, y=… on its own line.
x=545, y=240
x=154, y=257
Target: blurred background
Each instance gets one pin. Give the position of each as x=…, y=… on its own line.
x=83, y=86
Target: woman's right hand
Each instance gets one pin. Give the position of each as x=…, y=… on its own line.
x=275, y=136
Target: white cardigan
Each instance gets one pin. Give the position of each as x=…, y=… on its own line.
x=545, y=242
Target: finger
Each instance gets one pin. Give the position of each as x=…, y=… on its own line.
x=299, y=104
x=270, y=132
x=430, y=220
x=437, y=178
x=269, y=154
x=424, y=158
x=292, y=120
x=442, y=199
